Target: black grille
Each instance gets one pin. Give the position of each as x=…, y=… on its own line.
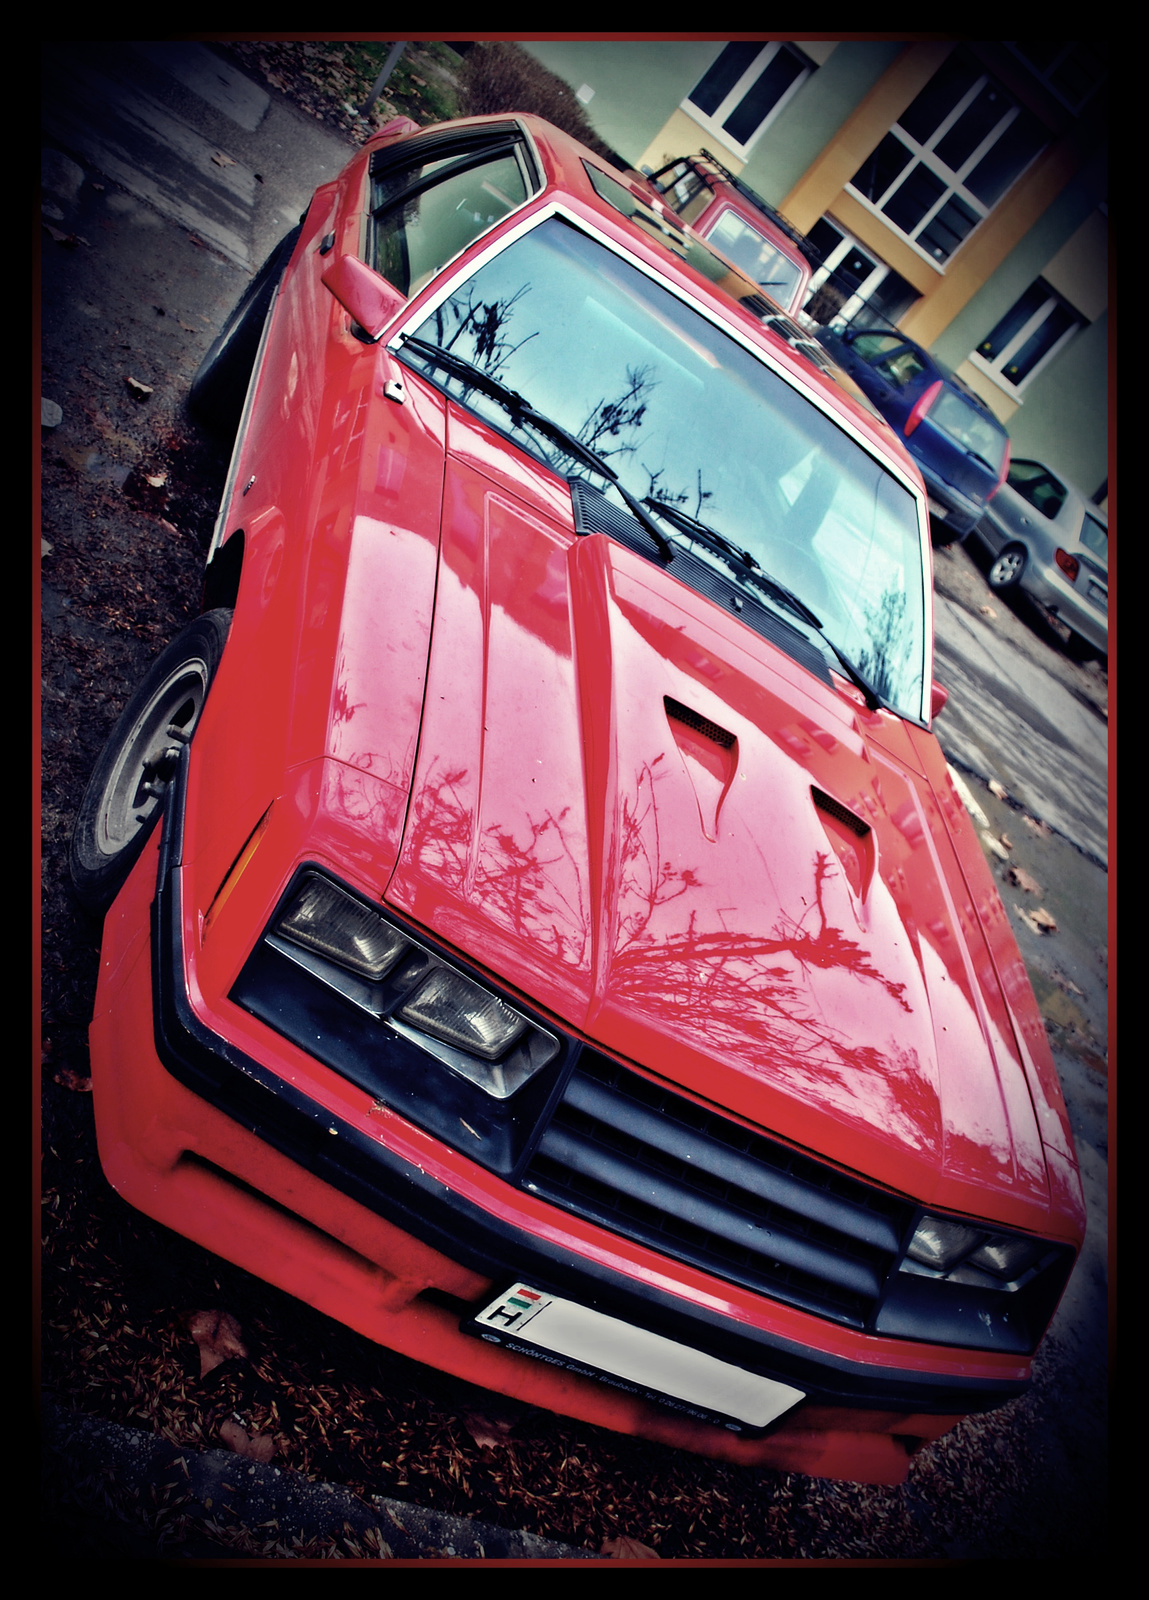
x=631, y=1156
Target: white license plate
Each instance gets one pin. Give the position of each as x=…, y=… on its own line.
x=646, y=1364
x=1101, y=596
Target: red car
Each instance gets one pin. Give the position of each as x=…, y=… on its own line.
x=736, y=220
x=563, y=956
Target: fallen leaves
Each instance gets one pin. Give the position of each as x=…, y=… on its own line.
x=253, y=1446
x=994, y=845
x=217, y=1336
x=222, y=160
x=68, y=1079
x=1024, y=880
x=998, y=789
x=140, y=391
x=1038, y=921
x=987, y=611
x=624, y=1548
x=487, y=1432
x=1041, y=828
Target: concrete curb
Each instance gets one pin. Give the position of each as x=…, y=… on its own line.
x=113, y=1493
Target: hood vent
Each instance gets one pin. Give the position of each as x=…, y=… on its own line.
x=839, y=812
x=700, y=724
x=851, y=838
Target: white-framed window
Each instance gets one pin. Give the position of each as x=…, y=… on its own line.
x=949, y=158
x=852, y=285
x=744, y=89
x=1033, y=331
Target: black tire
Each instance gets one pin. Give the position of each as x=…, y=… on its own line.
x=219, y=388
x=1007, y=568
x=123, y=800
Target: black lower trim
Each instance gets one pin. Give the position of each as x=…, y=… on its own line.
x=372, y=1175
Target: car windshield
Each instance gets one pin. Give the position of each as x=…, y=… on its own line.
x=684, y=414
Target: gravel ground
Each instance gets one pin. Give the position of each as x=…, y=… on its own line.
x=122, y=569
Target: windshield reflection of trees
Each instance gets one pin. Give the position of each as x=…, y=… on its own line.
x=611, y=428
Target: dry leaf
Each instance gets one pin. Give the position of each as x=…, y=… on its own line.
x=488, y=1433
x=624, y=1548
x=139, y=390
x=998, y=789
x=255, y=1446
x=1024, y=880
x=1042, y=828
x=995, y=846
x=1007, y=841
x=223, y=161
x=158, y=481
x=67, y=1079
x=217, y=1335
x=987, y=611
x=168, y=527
x=1067, y=984
x=1044, y=921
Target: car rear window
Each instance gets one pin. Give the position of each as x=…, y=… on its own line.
x=758, y=257
x=977, y=433
x=1094, y=537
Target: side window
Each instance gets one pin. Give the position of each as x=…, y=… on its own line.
x=870, y=346
x=426, y=211
x=1038, y=486
x=901, y=368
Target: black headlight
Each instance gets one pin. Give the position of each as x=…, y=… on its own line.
x=344, y=981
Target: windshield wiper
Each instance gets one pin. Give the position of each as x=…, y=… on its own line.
x=523, y=413
x=753, y=573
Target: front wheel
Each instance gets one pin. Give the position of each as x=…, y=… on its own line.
x=1007, y=569
x=126, y=790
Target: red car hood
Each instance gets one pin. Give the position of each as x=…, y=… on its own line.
x=649, y=821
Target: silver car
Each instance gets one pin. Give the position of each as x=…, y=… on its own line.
x=1048, y=539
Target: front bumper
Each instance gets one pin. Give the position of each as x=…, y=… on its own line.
x=226, y=1151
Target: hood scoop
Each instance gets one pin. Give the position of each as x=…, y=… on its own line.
x=851, y=839
x=709, y=754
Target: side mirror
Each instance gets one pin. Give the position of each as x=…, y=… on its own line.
x=362, y=291
x=938, y=698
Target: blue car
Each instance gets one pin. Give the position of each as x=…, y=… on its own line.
x=960, y=446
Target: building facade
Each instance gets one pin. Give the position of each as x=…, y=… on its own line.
x=957, y=190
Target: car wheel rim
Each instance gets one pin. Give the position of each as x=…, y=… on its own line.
x=149, y=755
x=1007, y=567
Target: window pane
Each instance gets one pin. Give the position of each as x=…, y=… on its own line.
x=1014, y=320
x=880, y=169
x=869, y=345
x=1007, y=159
x=417, y=237
x=975, y=122
x=1094, y=537
x=1037, y=485
x=1039, y=343
x=908, y=205
x=922, y=118
x=757, y=257
x=969, y=427
x=723, y=75
x=948, y=229
x=901, y=369
x=752, y=111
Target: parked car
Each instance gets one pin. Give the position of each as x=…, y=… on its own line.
x=960, y=446
x=1048, y=539
x=543, y=931
x=737, y=221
